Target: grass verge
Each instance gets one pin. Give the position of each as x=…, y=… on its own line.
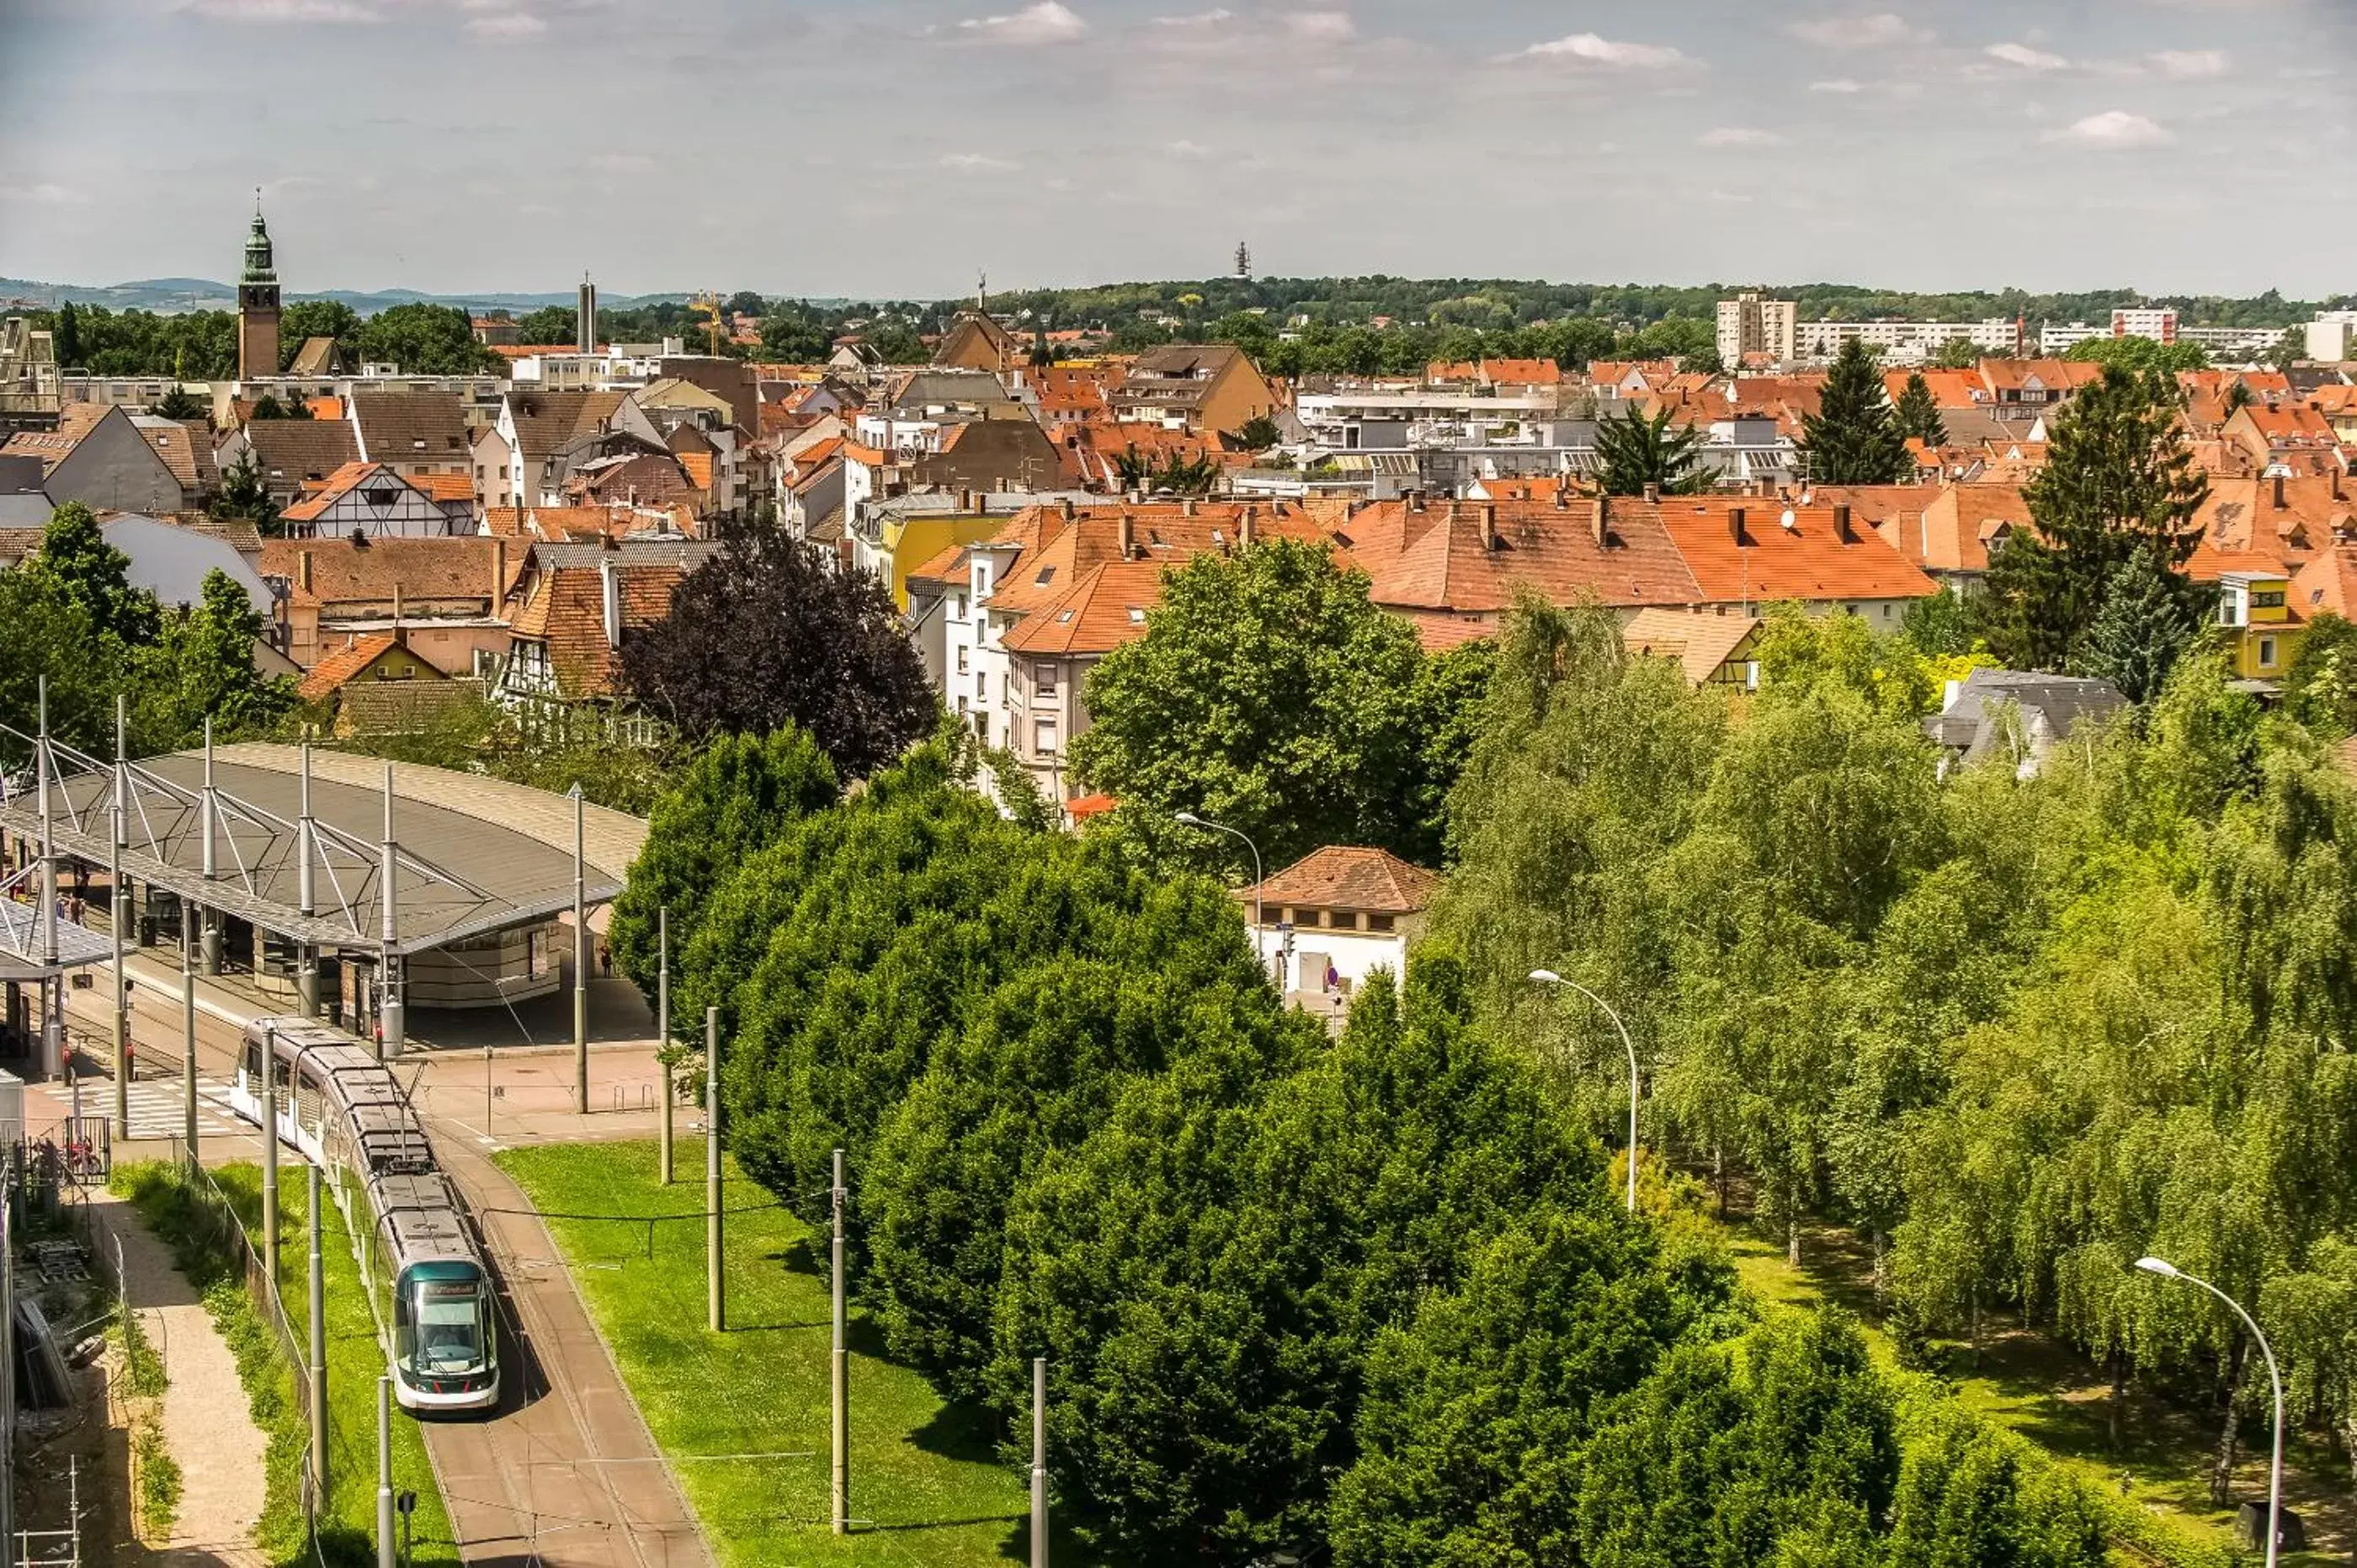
x=347, y=1522
x=924, y=1478
x=2152, y=1480
x=158, y=1499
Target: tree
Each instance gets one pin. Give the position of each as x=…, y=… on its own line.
x=425, y=339
x=2148, y=617
x=95, y=575
x=180, y=403
x=2119, y=476
x=790, y=333
x=745, y=302
x=267, y=406
x=898, y=343
x=46, y=632
x=244, y=495
x=1269, y=694
x=1634, y=451
x=66, y=338
x=1957, y=354
x=1855, y=438
x=737, y=797
x=1919, y=415
x=764, y=634
x=308, y=318
x=2320, y=687
x=1258, y=435
x=203, y=666
x=2142, y=355
x=551, y=324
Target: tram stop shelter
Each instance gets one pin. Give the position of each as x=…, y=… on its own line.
x=354, y=887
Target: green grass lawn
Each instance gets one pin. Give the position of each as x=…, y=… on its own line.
x=2026, y=1381
x=347, y=1524
x=926, y=1486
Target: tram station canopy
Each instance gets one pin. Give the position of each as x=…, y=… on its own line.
x=473, y=854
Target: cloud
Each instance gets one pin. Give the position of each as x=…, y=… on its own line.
x=2191, y=65
x=506, y=25
x=980, y=163
x=2025, y=57
x=285, y=11
x=621, y=163
x=1210, y=18
x=1321, y=26
x=1590, y=49
x=1854, y=32
x=1045, y=23
x=45, y=195
x=2113, y=129
x=1838, y=84
x=1737, y=137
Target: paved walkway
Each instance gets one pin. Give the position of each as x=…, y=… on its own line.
x=207, y=1421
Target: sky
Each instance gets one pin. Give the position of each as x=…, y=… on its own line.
x=896, y=148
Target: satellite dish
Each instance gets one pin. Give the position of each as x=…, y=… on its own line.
x=1789, y=520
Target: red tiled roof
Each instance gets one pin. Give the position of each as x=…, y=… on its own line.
x=1345, y=876
x=337, y=667
x=1432, y=560
x=350, y=477
x=564, y=608
x=1699, y=640
x=1105, y=609
x=1808, y=562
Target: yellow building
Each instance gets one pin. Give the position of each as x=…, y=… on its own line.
x=2255, y=608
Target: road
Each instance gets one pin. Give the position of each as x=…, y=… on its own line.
x=566, y=1472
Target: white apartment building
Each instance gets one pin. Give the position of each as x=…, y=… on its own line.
x=2331, y=335
x=1750, y=325
x=1907, y=342
x=2162, y=326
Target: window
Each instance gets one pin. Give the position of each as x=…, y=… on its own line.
x=2267, y=653
x=1047, y=681
x=981, y=686
x=2266, y=598
x=1379, y=922
x=1043, y=737
x=961, y=670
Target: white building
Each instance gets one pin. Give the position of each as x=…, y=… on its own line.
x=1334, y=916
x=1907, y=342
x=1750, y=325
x=2331, y=335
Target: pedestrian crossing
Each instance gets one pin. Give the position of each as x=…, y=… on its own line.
x=157, y=1109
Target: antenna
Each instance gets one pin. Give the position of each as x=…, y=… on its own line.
x=1244, y=261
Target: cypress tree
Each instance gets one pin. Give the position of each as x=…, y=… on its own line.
x=1854, y=439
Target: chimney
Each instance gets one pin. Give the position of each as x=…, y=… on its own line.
x=965, y=500
x=1735, y=525
x=303, y=570
x=1416, y=501
x=1452, y=508
x=2279, y=493
x=1129, y=535
x=397, y=601
x=498, y=574
x=1068, y=509
x=1653, y=495
x=2335, y=471
x=1489, y=525
x=1563, y=496
x=1244, y=520
x=611, y=582
x=1187, y=507
x=1596, y=522
x=1842, y=528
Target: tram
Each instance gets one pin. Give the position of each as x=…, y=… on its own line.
x=339, y=1105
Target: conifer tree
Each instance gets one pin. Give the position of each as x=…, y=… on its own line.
x=1854, y=439
x=1919, y=415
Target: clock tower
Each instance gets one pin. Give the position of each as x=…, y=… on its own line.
x=257, y=304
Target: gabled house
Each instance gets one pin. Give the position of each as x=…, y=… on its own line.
x=187, y=448
x=375, y=685
x=290, y=455
x=1202, y=388
x=414, y=432
x=1331, y=920
x=1709, y=649
x=2016, y=715
x=2262, y=627
x=977, y=342
x=372, y=499
x=2288, y=438
x=99, y=456
x=447, y=596
x=544, y=436
x=575, y=606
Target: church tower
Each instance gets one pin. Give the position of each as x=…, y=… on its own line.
x=257, y=304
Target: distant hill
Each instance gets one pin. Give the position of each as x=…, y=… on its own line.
x=176, y=296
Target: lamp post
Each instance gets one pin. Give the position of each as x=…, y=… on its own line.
x=1190, y=819
x=1549, y=977
x=2169, y=1271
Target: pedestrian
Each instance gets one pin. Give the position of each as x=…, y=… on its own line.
x=605, y=959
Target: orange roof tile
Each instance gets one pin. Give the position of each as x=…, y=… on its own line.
x=340, y=665
x=1436, y=558
x=1346, y=877
x=1808, y=562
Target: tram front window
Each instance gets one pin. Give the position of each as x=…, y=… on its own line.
x=441, y=1326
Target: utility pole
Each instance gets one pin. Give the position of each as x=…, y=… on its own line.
x=318, y=1369
x=580, y=967
x=210, y=937
x=307, y=953
x=1039, y=1462
x=716, y=1303
x=384, y=1470
x=663, y=1014
x=269, y=1159
x=839, y=1423
x=114, y=839
x=189, y=1033
x=53, y=1001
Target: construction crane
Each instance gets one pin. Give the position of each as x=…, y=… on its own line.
x=709, y=304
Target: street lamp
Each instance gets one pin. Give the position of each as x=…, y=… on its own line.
x=2169, y=1271
x=1190, y=819
x=1549, y=977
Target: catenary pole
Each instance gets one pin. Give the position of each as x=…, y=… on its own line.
x=53, y=1034
x=307, y=952
x=270, y=1159
x=319, y=1347
x=716, y=1303
x=388, y=1004
x=187, y=1034
x=384, y=1471
x=115, y=914
x=662, y=1015
x=839, y=1421
x=8, y=1383
x=580, y=965
x=1039, y=1462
